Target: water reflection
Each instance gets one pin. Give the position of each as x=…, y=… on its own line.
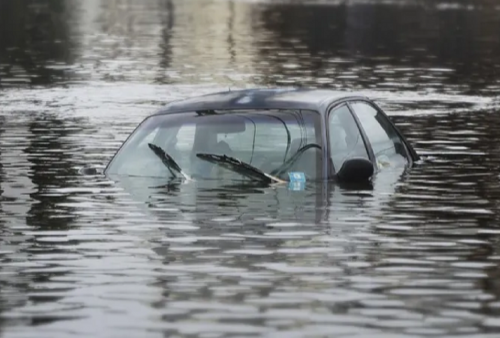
x=168, y=20
x=411, y=47
x=416, y=254
x=372, y=254
x=39, y=45
x=35, y=239
x=418, y=46
x=50, y=154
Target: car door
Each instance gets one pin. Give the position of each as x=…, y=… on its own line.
x=388, y=147
x=344, y=137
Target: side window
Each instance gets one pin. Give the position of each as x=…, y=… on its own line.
x=384, y=140
x=345, y=138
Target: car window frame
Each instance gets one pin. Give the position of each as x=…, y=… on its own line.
x=332, y=171
x=410, y=154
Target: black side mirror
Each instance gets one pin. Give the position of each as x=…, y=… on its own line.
x=356, y=170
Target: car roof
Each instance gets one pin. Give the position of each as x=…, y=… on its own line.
x=261, y=98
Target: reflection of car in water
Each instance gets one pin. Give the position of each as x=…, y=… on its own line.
x=266, y=135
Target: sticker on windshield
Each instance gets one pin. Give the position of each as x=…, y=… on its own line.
x=297, y=181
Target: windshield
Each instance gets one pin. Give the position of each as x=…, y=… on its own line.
x=168, y=145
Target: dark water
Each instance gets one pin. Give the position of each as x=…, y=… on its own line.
x=416, y=255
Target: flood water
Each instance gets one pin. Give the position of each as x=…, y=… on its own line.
x=415, y=255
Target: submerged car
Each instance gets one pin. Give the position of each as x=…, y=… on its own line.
x=267, y=135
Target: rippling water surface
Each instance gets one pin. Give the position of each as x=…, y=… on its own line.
x=415, y=255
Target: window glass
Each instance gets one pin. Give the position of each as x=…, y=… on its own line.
x=264, y=139
x=345, y=138
x=186, y=140
x=268, y=141
x=387, y=146
x=270, y=136
x=179, y=145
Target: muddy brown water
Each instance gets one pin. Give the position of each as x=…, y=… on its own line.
x=415, y=255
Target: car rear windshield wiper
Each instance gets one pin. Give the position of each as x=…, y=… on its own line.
x=239, y=167
x=168, y=161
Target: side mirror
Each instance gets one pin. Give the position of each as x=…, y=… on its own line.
x=356, y=170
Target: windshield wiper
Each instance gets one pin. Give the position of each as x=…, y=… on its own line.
x=239, y=167
x=285, y=166
x=168, y=161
